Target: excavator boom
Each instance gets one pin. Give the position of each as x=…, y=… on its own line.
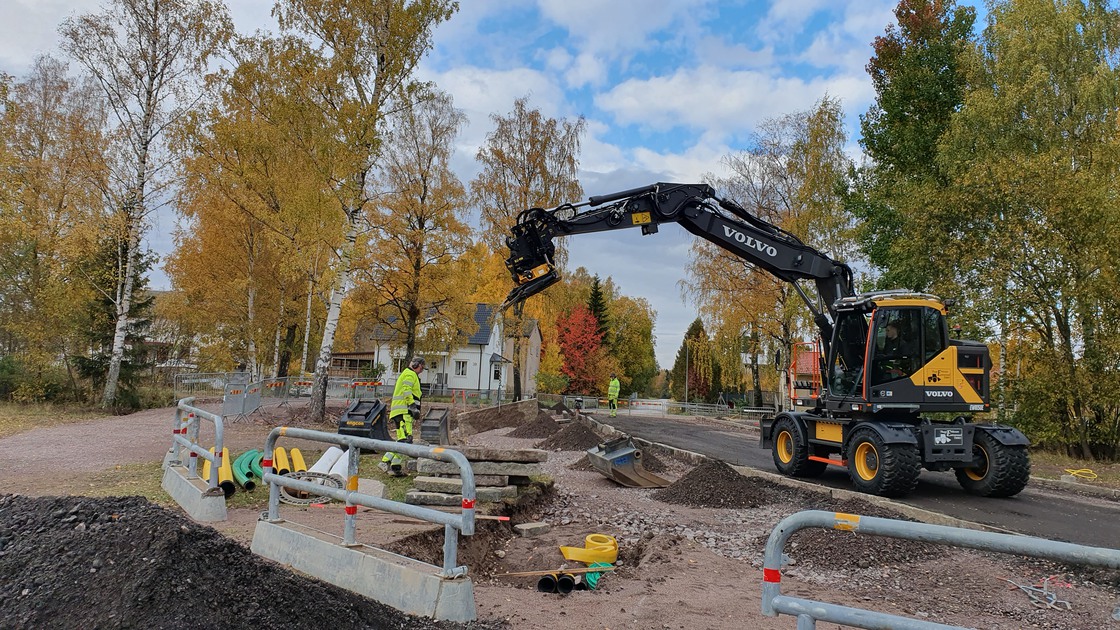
x=694, y=207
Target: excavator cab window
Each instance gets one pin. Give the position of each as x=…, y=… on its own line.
x=898, y=343
x=845, y=377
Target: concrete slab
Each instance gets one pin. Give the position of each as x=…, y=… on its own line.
x=191, y=495
x=485, y=495
x=486, y=454
x=406, y=584
x=432, y=467
x=529, y=530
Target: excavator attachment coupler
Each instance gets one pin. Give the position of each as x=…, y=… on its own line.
x=620, y=461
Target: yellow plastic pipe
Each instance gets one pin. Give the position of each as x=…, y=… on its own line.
x=280, y=461
x=298, y=464
x=206, y=467
x=225, y=475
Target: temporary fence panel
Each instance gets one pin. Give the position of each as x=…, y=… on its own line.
x=364, y=388
x=233, y=402
x=199, y=384
x=274, y=390
x=454, y=523
x=338, y=387
x=808, y=612
x=253, y=392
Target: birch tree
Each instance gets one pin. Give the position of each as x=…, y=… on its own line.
x=413, y=274
x=528, y=161
x=361, y=53
x=147, y=57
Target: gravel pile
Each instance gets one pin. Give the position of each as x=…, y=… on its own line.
x=122, y=562
x=715, y=484
x=574, y=437
x=542, y=427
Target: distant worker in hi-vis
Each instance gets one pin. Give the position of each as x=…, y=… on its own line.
x=404, y=411
x=612, y=394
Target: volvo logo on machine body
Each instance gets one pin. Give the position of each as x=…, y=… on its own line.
x=739, y=237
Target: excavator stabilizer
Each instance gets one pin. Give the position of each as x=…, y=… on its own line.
x=620, y=461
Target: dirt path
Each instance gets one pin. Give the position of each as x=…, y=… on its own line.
x=683, y=566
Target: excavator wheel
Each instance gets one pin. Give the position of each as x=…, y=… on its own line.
x=791, y=451
x=1003, y=470
x=888, y=470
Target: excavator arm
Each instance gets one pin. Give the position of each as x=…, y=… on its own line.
x=696, y=208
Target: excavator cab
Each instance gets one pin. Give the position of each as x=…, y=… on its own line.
x=891, y=354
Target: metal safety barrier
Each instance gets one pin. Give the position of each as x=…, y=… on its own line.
x=808, y=612
x=453, y=524
x=184, y=435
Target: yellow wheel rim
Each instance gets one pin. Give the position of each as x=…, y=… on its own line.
x=978, y=474
x=867, y=461
x=784, y=445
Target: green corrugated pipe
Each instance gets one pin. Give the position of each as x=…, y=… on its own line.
x=242, y=472
x=255, y=466
x=591, y=578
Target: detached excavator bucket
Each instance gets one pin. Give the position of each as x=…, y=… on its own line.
x=620, y=461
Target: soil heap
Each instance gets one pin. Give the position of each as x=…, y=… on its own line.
x=574, y=437
x=542, y=427
x=123, y=562
x=715, y=484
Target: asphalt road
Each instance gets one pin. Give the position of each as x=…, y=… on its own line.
x=1035, y=511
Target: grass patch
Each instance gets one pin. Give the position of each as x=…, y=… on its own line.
x=130, y=480
x=16, y=418
x=1050, y=465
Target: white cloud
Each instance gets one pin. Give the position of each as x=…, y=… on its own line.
x=720, y=102
x=786, y=19
x=588, y=69
x=616, y=28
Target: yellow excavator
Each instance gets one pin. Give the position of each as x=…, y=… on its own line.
x=891, y=377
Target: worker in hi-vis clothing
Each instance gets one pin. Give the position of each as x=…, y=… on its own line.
x=612, y=395
x=404, y=411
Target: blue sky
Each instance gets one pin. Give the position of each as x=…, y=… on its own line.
x=668, y=88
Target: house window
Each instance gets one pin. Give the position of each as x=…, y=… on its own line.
x=460, y=368
x=399, y=364
x=497, y=371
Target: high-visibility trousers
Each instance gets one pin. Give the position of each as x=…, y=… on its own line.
x=404, y=433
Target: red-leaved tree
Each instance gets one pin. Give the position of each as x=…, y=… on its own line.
x=578, y=336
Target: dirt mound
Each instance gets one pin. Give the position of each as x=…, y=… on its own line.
x=542, y=427
x=574, y=437
x=582, y=463
x=489, y=419
x=122, y=562
x=831, y=548
x=715, y=484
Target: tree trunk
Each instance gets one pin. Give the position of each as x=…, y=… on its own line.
x=276, y=339
x=307, y=325
x=286, y=354
x=250, y=326
x=338, y=292
x=124, y=306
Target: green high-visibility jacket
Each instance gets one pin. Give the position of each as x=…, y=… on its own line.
x=612, y=391
x=405, y=393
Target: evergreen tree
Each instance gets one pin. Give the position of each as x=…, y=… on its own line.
x=597, y=304
x=100, y=319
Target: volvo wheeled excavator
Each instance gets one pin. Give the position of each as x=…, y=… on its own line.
x=891, y=376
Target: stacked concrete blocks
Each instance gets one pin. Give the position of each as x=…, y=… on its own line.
x=498, y=474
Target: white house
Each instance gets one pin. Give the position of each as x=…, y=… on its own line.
x=482, y=364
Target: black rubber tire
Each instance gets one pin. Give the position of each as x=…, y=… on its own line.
x=887, y=470
x=789, y=443
x=1006, y=470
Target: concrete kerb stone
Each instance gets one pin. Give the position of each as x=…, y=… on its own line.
x=1076, y=487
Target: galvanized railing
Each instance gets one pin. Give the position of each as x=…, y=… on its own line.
x=184, y=435
x=452, y=523
x=808, y=612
